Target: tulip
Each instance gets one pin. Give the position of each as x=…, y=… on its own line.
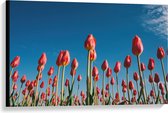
x=31, y=85
x=161, y=55
x=123, y=84
x=50, y=81
x=59, y=58
x=40, y=68
x=24, y=91
x=117, y=68
x=117, y=97
x=156, y=78
x=66, y=82
x=161, y=86
x=137, y=49
x=109, y=72
x=150, y=79
x=104, y=66
x=79, y=79
x=112, y=83
x=127, y=61
x=107, y=86
x=15, y=62
x=131, y=85
x=134, y=92
x=73, y=72
x=42, y=84
x=51, y=71
x=95, y=71
x=14, y=86
x=152, y=94
x=27, y=83
x=23, y=79
x=74, y=64
x=90, y=42
x=15, y=76
x=93, y=55
x=151, y=64
x=43, y=59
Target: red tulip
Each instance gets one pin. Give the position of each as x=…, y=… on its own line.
x=109, y=72
x=96, y=78
x=136, y=76
x=137, y=46
x=74, y=64
x=161, y=86
x=98, y=90
x=112, y=81
x=23, y=79
x=95, y=71
x=123, y=83
x=24, y=91
x=134, y=92
x=151, y=79
x=48, y=91
x=131, y=85
x=27, y=83
x=15, y=62
x=160, y=53
x=90, y=42
x=50, y=81
x=162, y=91
x=133, y=99
x=43, y=96
x=53, y=101
x=124, y=89
x=15, y=76
x=58, y=62
x=117, y=96
x=40, y=68
x=143, y=67
x=54, y=84
x=42, y=84
x=152, y=93
x=107, y=86
x=127, y=61
x=156, y=78
x=65, y=58
x=31, y=85
x=106, y=94
x=104, y=66
x=43, y=59
x=14, y=86
x=93, y=55
x=73, y=72
x=82, y=93
x=117, y=67
x=35, y=83
x=151, y=64
x=51, y=71
x=39, y=76
x=55, y=78
x=79, y=78
x=66, y=82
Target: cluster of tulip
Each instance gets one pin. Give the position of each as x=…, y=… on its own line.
x=30, y=95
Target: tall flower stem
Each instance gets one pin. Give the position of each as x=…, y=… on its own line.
x=90, y=79
x=36, y=92
x=56, y=87
x=127, y=79
x=103, y=86
x=117, y=84
x=95, y=94
x=87, y=78
x=144, y=83
x=112, y=91
x=62, y=85
x=141, y=81
x=19, y=94
x=164, y=76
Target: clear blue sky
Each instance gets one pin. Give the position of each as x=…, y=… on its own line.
x=49, y=27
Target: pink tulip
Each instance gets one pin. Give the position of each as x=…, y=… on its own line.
x=15, y=62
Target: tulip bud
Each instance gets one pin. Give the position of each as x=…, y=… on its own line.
x=43, y=59
x=134, y=92
x=137, y=46
x=123, y=83
x=136, y=76
x=14, y=86
x=133, y=99
x=40, y=68
x=43, y=96
x=98, y=90
x=79, y=78
x=48, y=91
x=109, y=72
x=55, y=78
x=106, y=94
x=65, y=58
x=42, y=84
x=117, y=96
x=162, y=91
x=112, y=81
x=151, y=79
x=58, y=62
x=143, y=67
x=151, y=64
x=96, y=78
x=131, y=85
x=74, y=64
x=15, y=62
x=117, y=67
x=152, y=93
x=73, y=72
x=27, y=83
x=104, y=66
x=24, y=91
x=31, y=85
x=93, y=55
x=124, y=89
x=23, y=79
x=95, y=71
x=51, y=71
x=35, y=83
x=156, y=78
x=160, y=53
x=66, y=82
x=53, y=101
x=15, y=76
x=50, y=81
x=161, y=86
x=107, y=86
x=90, y=42
x=127, y=62
x=82, y=93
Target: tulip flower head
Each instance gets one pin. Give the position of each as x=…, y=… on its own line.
x=15, y=76
x=112, y=81
x=79, y=78
x=107, y=86
x=51, y=71
x=90, y=42
x=31, y=85
x=27, y=83
x=23, y=79
x=50, y=81
x=137, y=46
x=161, y=86
x=104, y=66
x=95, y=71
x=74, y=64
x=156, y=78
x=43, y=59
x=42, y=84
x=151, y=64
x=124, y=89
x=117, y=67
x=73, y=72
x=15, y=62
x=160, y=53
x=66, y=82
x=96, y=78
x=14, y=86
x=131, y=85
x=136, y=76
x=43, y=96
x=65, y=58
x=40, y=68
x=150, y=79
x=152, y=93
x=143, y=67
x=58, y=62
x=127, y=61
x=24, y=91
x=93, y=55
x=98, y=90
x=134, y=92
x=123, y=83
x=109, y=72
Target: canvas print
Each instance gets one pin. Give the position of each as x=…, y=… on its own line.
x=86, y=54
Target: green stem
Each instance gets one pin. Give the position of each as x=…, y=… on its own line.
x=127, y=79
x=62, y=85
x=19, y=94
x=113, y=91
x=90, y=79
x=145, y=84
x=117, y=84
x=103, y=86
x=141, y=81
x=87, y=78
x=58, y=72
x=36, y=88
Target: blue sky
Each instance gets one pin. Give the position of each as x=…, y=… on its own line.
x=49, y=27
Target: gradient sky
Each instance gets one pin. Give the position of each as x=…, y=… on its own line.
x=49, y=27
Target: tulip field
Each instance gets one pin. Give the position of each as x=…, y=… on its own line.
x=60, y=89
